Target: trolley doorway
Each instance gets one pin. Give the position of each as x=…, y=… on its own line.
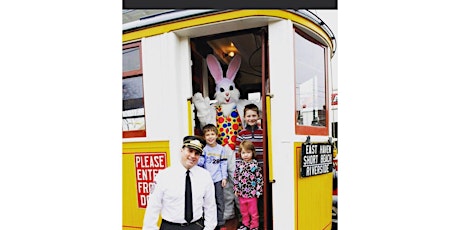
x=251, y=80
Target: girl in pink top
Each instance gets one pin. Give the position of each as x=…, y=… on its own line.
x=248, y=185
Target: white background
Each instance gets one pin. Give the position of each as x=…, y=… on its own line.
x=60, y=165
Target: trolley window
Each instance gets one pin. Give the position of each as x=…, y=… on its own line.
x=310, y=85
x=133, y=94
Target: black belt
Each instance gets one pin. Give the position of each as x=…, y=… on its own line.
x=181, y=224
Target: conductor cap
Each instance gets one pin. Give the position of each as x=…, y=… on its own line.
x=194, y=142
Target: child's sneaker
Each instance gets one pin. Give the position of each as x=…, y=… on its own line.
x=243, y=227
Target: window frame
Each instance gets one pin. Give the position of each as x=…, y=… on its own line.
x=304, y=129
x=135, y=73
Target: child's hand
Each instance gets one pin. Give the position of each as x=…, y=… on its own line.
x=236, y=193
x=224, y=183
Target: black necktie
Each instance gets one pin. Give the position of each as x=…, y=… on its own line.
x=188, y=198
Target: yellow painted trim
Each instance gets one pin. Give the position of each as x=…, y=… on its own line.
x=189, y=110
x=133, y=215
x=269, y=135
x=132, y=147
x=153, y=146
x=312, y=198
x=224, y=16
x=296, y=182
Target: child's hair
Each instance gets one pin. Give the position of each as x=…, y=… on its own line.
x=252, y=107
x=210, y=127
x=248, y=145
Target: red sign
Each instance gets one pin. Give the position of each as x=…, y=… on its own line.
x=334, y=99
x=148, y=165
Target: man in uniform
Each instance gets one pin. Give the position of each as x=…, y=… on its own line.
x=169, y=196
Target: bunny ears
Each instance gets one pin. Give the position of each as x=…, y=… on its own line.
x=216, y=69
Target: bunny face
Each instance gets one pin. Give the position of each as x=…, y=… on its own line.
x=226, y=92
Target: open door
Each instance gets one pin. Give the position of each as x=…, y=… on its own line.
x=252, y=83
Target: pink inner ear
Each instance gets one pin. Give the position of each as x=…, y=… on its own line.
x=214, y=68
x=233, y=67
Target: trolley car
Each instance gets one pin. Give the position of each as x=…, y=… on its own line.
x=286, y=66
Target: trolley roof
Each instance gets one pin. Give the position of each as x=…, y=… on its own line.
x=139, y=19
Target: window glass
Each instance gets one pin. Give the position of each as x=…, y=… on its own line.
x=310, y=79
x=131, y=59
x=133, y=117
x=132, y=90
x=133, y=104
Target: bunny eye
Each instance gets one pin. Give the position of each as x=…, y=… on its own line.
x=231, y=87
x=222, y=90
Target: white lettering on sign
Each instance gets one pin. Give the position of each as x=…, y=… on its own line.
x=309, y=160
x=144, y=187
x=150, y=161
x=143, y=199
x=148, y=165
x=316, y=159
x=316, y=169
x=310, y=149
x=326, y=158
x=325, y=149
x=146, y=174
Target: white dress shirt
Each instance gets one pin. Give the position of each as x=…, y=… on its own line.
x=168, y=197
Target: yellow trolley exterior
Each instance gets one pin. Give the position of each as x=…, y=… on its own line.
x=169, y=46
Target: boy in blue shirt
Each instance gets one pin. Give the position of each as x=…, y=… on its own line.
x=214, y=160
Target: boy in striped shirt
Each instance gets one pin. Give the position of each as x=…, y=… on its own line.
x=251, y=132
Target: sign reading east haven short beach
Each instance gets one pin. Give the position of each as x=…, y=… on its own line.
x=148, y=165
x=316, y=159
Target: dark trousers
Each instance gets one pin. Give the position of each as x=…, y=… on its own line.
x=260, y=207
x=199, y=225
x=219, y=193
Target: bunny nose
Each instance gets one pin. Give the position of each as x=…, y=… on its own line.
x=226, y=94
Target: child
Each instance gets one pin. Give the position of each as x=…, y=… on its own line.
x=254, y=133
x=214, y=160
x=248, y=186
x=251, y=132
